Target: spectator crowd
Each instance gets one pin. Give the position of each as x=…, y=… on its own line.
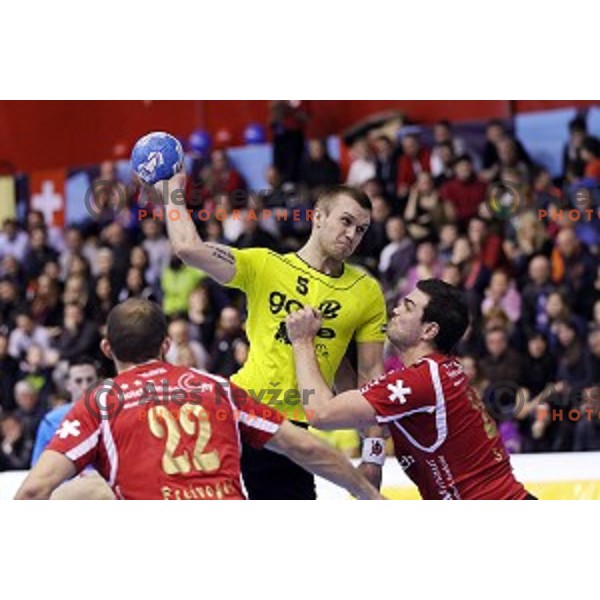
x=473, y=219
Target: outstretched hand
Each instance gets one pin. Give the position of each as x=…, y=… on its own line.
x=303, y=324
x=177, y=182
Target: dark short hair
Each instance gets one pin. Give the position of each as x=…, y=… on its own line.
x=83, y=361
x=447, y=307
x=331, y=193
x=136, y=330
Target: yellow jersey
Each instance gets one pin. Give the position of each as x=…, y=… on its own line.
x=351, y=305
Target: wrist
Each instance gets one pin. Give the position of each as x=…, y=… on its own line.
x=373, y=451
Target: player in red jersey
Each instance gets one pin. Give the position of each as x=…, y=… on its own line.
x=443, y=437
x=160, y=431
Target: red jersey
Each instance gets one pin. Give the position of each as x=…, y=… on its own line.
x=160, y=431
x=443, y=437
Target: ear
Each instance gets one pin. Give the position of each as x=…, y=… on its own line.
x=318, y=217
x=106, y=349
x=431, y=331
x=164, y=348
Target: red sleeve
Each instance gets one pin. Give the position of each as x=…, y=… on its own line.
x=78, y=435
x=402, y=392
x=258, y=422
x=492, y=252
x=404, y=171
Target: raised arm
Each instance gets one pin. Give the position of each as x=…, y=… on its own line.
x=215, y=259
x=321, y=459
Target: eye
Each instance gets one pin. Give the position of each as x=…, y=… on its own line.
x=362, y=229
x=346, y=221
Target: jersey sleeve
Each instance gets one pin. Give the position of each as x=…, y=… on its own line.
x=249, y=264
x=372, y=326
x=78, y=436
x=401, y=393
x=258, y=423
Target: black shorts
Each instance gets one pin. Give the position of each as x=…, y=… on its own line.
x=530, y=497
x=271, y=476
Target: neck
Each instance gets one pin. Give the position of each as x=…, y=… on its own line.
x=411, y=355
x=312, y=254
x=126, y=366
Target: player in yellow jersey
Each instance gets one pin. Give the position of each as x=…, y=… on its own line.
x=350, y=301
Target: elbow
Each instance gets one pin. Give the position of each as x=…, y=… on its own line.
x=32, y=492
x=318, y=418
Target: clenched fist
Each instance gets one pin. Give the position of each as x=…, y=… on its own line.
x=303, y=324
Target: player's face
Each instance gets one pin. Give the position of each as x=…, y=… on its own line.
x=341, y=231
x=80, y=379
x=406, y=327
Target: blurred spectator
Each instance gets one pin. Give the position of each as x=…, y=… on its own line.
x=496, y=134
x=474, y=376
x=139, y=259
x=574, y=365
x=229, y=331
x=531, y=239
x=590, y=153
x=535, y=295
x=9, y=302
x=424, y=213
x=362, y=167
x=76, y=291
x=178, y=281
x=574, y=268
x=573, y=162
x=254, y=236
x=447, y=159
x=539, y=366
x=502, y=362
x=29, y=410
x=318, y=168
x=502, y=293
x=136, y=286
x=38, y=254
x=79, y=336
x=288, y=121
x=13, y=241
x=594, y=350
x=386, y=165
x=103, y=299
x=427, y=266
x=375, y=239
x=15, y=445
x=201, y=316
x=415, y=159
x=25, y=334
x=9, y=374
x=397, y=257
x=448, y=235
x=46, y=306
x=115, y=237
x=184, y=351
x=156, y=244
x=464, y=193
x=444, y=138
x=220, y=177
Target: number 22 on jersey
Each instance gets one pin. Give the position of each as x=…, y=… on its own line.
x=193, y=420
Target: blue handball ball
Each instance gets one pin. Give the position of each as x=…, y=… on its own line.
x=156, y=156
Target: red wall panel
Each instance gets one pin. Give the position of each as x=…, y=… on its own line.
x=44, y=134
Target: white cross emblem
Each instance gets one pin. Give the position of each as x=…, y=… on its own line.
x=398, y=392
x=48, y=202
x=124, y=386
x=69, y=428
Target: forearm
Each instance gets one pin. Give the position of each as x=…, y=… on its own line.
x=313, y=389
x=328, y=463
